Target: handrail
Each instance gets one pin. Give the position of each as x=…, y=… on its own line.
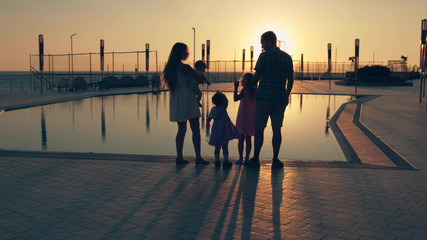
x=46, y=81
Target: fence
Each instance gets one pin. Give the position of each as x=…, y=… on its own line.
x=229, y=71
x=87, y=65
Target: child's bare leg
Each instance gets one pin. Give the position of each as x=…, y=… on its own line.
x=248, y=146
x=216, y=153
x=240, y=147
x=225, y=149
x=226, y=163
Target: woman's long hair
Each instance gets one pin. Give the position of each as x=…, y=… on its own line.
x=170, y=73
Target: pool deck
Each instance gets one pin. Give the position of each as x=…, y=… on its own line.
x=114, y=197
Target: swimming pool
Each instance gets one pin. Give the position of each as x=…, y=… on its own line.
x=139, y=124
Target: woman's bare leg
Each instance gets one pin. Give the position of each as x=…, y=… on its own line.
x=248, y=146
x=240, y=147
x=195, y=128
x=179, y=140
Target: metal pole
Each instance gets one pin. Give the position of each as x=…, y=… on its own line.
x=329, y=62
x=48, y=62
x=53, y=69
x=31, y=82
x=113, y=64
x=137, y=62
x=69, y=65
x=252, y=57
x=101, y=55
x=336, y=71
x=243, y=60
x=203, y=52
x=302, y=66
x=41, y=60
x=208, y=53
x=72, y=59
x=194, y=46
x=90, y=67
x=157, y=64
x=147, y=57
x=356, y=60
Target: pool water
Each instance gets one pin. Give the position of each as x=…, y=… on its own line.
x=139, y=124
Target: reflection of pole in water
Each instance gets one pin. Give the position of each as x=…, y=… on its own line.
x=137, y=106
x=103, y=121
x=44, y=136
x=147, y=116
x=91, y=113
x=157, y=107
x=328, y=113
x=114, y=107
x=300, y=103
x=72, y=118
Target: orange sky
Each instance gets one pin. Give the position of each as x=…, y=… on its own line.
x=389, y=28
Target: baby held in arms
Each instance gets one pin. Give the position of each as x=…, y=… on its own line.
x=193, y=84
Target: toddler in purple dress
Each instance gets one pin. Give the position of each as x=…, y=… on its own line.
x=223, y=130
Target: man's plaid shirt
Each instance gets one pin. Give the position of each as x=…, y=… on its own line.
x=274, y=66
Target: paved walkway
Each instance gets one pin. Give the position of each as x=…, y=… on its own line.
x=78, y=198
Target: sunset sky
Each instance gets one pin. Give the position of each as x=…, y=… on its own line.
x=390, y=28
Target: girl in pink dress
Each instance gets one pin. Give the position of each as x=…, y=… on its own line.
x=245, y=121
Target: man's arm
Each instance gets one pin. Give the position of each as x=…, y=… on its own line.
x=290, y=84
x=255, y=79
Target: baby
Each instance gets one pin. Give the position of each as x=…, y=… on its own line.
x=200, y=68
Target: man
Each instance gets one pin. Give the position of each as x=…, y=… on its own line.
x=274, y=71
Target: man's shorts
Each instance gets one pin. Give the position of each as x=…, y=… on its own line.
x=274, y=110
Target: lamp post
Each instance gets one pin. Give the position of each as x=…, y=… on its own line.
x=356, y=60
x=194, y=45
x=302, y=66
x=243, y=60
x=72, y=62
x=41, y=60
x=203, y=52
x=101, y=54
x=329, y=62
x=252, y=57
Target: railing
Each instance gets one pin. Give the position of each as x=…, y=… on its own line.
x=57, y=69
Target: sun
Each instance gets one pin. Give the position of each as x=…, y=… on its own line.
x=284, y=39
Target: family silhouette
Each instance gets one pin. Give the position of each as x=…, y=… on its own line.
x=264, y=95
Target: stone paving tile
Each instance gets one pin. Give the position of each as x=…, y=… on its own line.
x=79, y=199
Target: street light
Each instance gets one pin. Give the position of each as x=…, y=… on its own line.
x=72, y=62
x=194, y=45
x=356, y=60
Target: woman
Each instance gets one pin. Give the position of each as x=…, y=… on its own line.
x=183, y=102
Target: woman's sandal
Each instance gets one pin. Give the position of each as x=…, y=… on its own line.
x=181, y=161
x=201, y=161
